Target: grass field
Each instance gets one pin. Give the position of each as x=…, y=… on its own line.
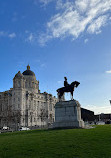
x=70, y=143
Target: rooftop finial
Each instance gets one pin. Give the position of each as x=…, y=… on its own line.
x=28, y=67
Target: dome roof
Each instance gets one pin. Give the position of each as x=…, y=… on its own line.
x=28, y=72
x=19, y=75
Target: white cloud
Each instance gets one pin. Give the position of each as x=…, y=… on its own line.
x=30, y=37
x=43, y=65
x=6, y=34
x=12, y=35
x=64, y=4
x=86, y=40
x=59, y=82
x=45, y=2
x=43, y=39
x=96, y=25
x=3, y=34
x=77, y=17
x=108, y=72
x=99, y=109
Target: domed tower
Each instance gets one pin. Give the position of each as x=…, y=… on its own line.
x=31, y=83
x=18, y=81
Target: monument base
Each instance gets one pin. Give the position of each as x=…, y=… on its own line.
x=68, y=115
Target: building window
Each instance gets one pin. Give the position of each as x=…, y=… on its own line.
x=23, y=120
x=19, y=84
x=18, y=106
x=29, y=104
x=50, y=107
x=29, y=85
x=34, y=102
x=23, y=106
x=25, y=84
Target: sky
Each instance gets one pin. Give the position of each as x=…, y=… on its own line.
x=59, y=38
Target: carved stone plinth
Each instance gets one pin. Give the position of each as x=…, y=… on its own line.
x=68, y=115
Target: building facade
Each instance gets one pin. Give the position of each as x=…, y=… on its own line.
x=87, y=115
x=24, y=105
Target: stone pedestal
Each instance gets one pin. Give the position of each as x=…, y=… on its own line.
x=68, y=115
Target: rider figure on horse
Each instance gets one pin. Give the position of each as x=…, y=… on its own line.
x=65, y=82
x=67, y=88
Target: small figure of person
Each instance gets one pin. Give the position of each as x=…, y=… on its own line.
x=65, y=82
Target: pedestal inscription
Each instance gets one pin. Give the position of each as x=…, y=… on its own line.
x=68, y=115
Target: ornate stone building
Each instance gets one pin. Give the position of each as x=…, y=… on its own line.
x=24, y=105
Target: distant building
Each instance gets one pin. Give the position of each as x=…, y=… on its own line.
x=87, y=115
x=24, y=105
x=103, y=117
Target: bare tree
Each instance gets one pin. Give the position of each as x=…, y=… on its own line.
x=17, y=119
x=9, y=116
x=43, y=115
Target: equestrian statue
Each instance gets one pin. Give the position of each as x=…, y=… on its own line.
x=67, y=88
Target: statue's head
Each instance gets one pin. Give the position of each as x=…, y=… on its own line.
x=65, y=78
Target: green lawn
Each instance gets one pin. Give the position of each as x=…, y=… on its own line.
x=69, y=143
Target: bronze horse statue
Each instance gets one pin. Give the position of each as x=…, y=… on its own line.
x=68, y=88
